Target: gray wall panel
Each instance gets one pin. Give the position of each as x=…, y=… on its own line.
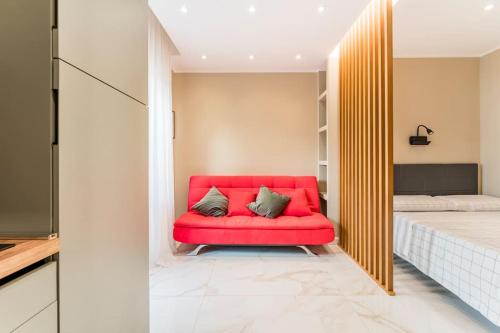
x=25, y=116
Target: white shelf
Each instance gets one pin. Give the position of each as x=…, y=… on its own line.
x=322, y=97
x=322, y=119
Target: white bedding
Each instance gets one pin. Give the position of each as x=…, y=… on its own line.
x=472, y=203
x=460, y=250
x=421, y=203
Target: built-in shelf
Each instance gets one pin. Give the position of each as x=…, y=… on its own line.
x=322, y=97
x=322, y=141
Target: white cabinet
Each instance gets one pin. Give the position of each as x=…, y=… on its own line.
x=43, y=322
x=102, y=162
x=103, y=214
x=25, y=297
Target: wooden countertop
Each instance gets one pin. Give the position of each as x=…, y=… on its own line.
x=25, y=253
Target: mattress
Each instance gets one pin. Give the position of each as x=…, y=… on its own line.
x=460, y=250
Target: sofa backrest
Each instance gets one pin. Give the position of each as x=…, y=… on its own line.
x=199, y=186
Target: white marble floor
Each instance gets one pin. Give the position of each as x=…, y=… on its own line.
x=274, y=290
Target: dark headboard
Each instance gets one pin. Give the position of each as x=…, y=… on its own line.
x=435, y=179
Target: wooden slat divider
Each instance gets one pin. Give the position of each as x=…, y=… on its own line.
x=366, y=142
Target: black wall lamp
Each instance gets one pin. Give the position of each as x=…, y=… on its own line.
x=421, y=140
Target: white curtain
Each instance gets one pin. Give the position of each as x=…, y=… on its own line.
x=161, y=155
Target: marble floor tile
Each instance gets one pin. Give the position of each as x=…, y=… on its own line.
x=398, y=314
x=412, y=314
x=272, y=277
x=452, y=308
x=360, y=284
x=265, y=314
x=174, y=314
x=282, y=290
x=182, y=277
x=408, y=280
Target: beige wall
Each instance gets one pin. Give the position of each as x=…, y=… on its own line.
x=243, y=124
x=490, y=122
x=444, y=95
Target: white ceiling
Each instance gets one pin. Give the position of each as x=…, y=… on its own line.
x=445, y=28
x=227, y=33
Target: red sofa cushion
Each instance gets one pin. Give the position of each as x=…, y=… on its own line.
x=192, y=228
x=253, y=236
x=314, y=221
x=298, y=205
x=200, y=185
x=238, y=201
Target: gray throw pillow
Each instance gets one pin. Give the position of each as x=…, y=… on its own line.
x=268, y=203
x=214, y=203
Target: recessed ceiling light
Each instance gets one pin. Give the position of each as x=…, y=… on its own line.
x=321, y=9
x=251, y=9
x=298, y=57
x=183, y=9
x=203, y=57
x=251, y=57
x=489, y=7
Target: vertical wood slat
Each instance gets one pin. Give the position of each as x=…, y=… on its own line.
x=366, y=142
x=364, y=132
x=389, y=162
x=371, y=166
x=356, y=168
x=350, y=152
x=378, y=147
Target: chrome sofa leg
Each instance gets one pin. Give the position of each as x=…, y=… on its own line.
x=307, y=251
x=196, y=250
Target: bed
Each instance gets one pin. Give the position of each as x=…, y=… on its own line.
x=459, y=249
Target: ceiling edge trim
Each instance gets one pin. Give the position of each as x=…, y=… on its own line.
x=490, y=51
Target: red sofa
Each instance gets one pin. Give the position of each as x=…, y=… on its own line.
x=193, y=228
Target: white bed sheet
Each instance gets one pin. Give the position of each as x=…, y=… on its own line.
x=460, y=250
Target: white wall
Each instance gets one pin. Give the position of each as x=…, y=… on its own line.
x=490, y=122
